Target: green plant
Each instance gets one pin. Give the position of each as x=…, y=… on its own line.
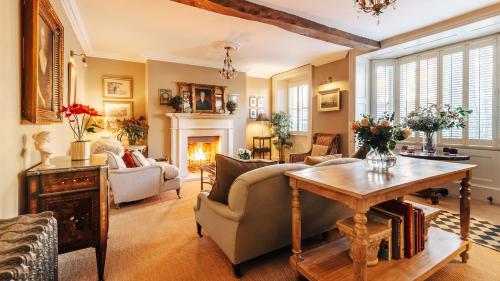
x=231, y=105
x=133, y=129
x=175, y=102
x=434, y=119
x=281, y=126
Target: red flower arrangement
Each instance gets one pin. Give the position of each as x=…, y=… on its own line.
x=79, y=117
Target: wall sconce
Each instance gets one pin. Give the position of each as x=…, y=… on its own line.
x=75, y=54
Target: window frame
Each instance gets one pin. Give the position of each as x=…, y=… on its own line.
x=374, y=64
x=298, y=83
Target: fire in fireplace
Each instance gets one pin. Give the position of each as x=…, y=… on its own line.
x=201, y=151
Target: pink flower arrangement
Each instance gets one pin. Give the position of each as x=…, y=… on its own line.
x=79, y=117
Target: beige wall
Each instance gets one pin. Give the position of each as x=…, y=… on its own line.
x=258, y=87
x=334, y=121
x=165, y=75
x=17, y=149
x=98, y=68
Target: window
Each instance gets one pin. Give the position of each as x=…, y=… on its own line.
x=452, y=86
x=384, y=88
x=481, y=77
x=407, y=88
x=298, y=107
x=428, y=81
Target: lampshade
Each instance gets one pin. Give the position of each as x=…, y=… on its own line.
x=262, y=117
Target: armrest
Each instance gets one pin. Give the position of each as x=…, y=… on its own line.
x=137, y=170
x=218, y=208
x=298, y=157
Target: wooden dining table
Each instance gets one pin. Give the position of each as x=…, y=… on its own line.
x=360, y=188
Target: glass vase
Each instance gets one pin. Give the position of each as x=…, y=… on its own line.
x=430, y=142
x=381, y=160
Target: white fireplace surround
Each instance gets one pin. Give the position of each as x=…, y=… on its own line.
x=185, y=125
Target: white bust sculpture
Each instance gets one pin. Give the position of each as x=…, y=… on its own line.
x=42, y=141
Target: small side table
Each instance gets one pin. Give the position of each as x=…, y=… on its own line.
x=210, y=169
x=433, y=193
x=261, y=149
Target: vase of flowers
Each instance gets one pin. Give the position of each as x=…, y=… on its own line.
x=281, y=126
x=380, y=136
x=244, y=154
x=134, y=129
x=80, y=120
x=433, y=119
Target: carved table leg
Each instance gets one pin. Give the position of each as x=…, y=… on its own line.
x=296, y=226
x=360, y=247
x=465, y=194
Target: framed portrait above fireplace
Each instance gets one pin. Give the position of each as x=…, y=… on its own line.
x=203, y=98
x=43, y=63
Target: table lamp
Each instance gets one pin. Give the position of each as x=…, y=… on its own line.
x=262, y=117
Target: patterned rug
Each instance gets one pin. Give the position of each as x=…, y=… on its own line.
x=481, y=232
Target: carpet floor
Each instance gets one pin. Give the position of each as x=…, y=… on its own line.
x=156, y=239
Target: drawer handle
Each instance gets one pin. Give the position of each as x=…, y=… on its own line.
x=77, y=180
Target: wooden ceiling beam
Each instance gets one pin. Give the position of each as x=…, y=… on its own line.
x=255, y=12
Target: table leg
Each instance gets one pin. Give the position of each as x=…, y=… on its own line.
x=296, y=224
x=201, y=179
x=465, y=195
x=360, y=246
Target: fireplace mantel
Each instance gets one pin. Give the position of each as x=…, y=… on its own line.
x=185, y=125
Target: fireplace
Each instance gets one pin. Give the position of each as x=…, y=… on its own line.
x=201, y=151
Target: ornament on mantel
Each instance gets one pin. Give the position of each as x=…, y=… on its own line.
x=42, y=141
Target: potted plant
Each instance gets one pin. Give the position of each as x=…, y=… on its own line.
x=380, y=136
x=231, y=106
x=176, y=103
x=244, y=154
x=133, y=129
x=80, y=121
x=281, y=126
x=433, y=119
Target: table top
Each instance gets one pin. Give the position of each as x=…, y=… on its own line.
x=436, y=156
x=359, y=181
x=65, y=164
x=262, y=138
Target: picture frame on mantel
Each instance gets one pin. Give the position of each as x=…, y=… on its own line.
x=42, y=64
x=329, y=100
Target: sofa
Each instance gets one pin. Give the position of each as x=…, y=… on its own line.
x=257, y=218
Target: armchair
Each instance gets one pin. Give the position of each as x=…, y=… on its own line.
x=330, y=140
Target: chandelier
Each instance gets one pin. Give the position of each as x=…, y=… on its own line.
x=228, y=71
x=374, y=7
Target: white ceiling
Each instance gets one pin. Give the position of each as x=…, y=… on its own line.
x=138, y=30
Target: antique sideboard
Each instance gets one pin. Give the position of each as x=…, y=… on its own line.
x=77, y=193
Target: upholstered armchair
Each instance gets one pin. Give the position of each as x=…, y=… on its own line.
x=330, y=140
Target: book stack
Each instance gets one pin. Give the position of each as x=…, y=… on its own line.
x=408, y=226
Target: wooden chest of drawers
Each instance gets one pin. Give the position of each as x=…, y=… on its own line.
x=77, y=193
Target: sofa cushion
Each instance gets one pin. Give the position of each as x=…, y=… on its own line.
x=128, y=159
x=313, y=160
x=338, y=161
x=115, y=161
x=228, y=169
x=140, y=160
x=319, y=150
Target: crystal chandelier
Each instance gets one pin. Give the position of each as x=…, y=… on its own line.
x=374, y=7
x=228, y=71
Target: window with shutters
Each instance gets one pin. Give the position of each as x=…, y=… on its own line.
x=407, y=88
x=384, y=87
x=452, y=65
x=428, y=81
x=298, y=106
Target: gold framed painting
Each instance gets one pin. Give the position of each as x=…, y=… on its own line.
x=203, y=98
x=329, y=100
x=117, y=87
x=42, y=64
x=118, y=110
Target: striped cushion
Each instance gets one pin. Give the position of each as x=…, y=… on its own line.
x=140, y=160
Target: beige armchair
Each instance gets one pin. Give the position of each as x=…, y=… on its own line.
x=330, y=140
x=257, y=219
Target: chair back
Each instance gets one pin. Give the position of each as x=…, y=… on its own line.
x=330, y=140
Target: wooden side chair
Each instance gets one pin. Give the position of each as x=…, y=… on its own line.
x=330, y=140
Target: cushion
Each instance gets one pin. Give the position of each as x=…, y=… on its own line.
x=338, y=161
x=169, y=171
x=319, y=150
x=228, y=169
x=128, y=159
x=115, y=161
x=313, y=160
x=104, y=145
x=139, y=159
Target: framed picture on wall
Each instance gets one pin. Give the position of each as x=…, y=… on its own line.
x=252, y=102
x=117, y=87
x=260, y=102
x=329, y=100
x=186, y=98
x=252, y=113
x=219, y=103
x=119, y=110
x=165, y=95
x=203, y=98
x=233, y=98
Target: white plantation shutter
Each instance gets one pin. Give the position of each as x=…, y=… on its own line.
x=481, y=92
x=428, y=81
x=407, y=88
x=384, y=89
x=298, y=107
x=452, y=87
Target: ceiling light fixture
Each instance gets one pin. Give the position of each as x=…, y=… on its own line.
x=75, y=54
x=374, y=7
x=228, y=71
